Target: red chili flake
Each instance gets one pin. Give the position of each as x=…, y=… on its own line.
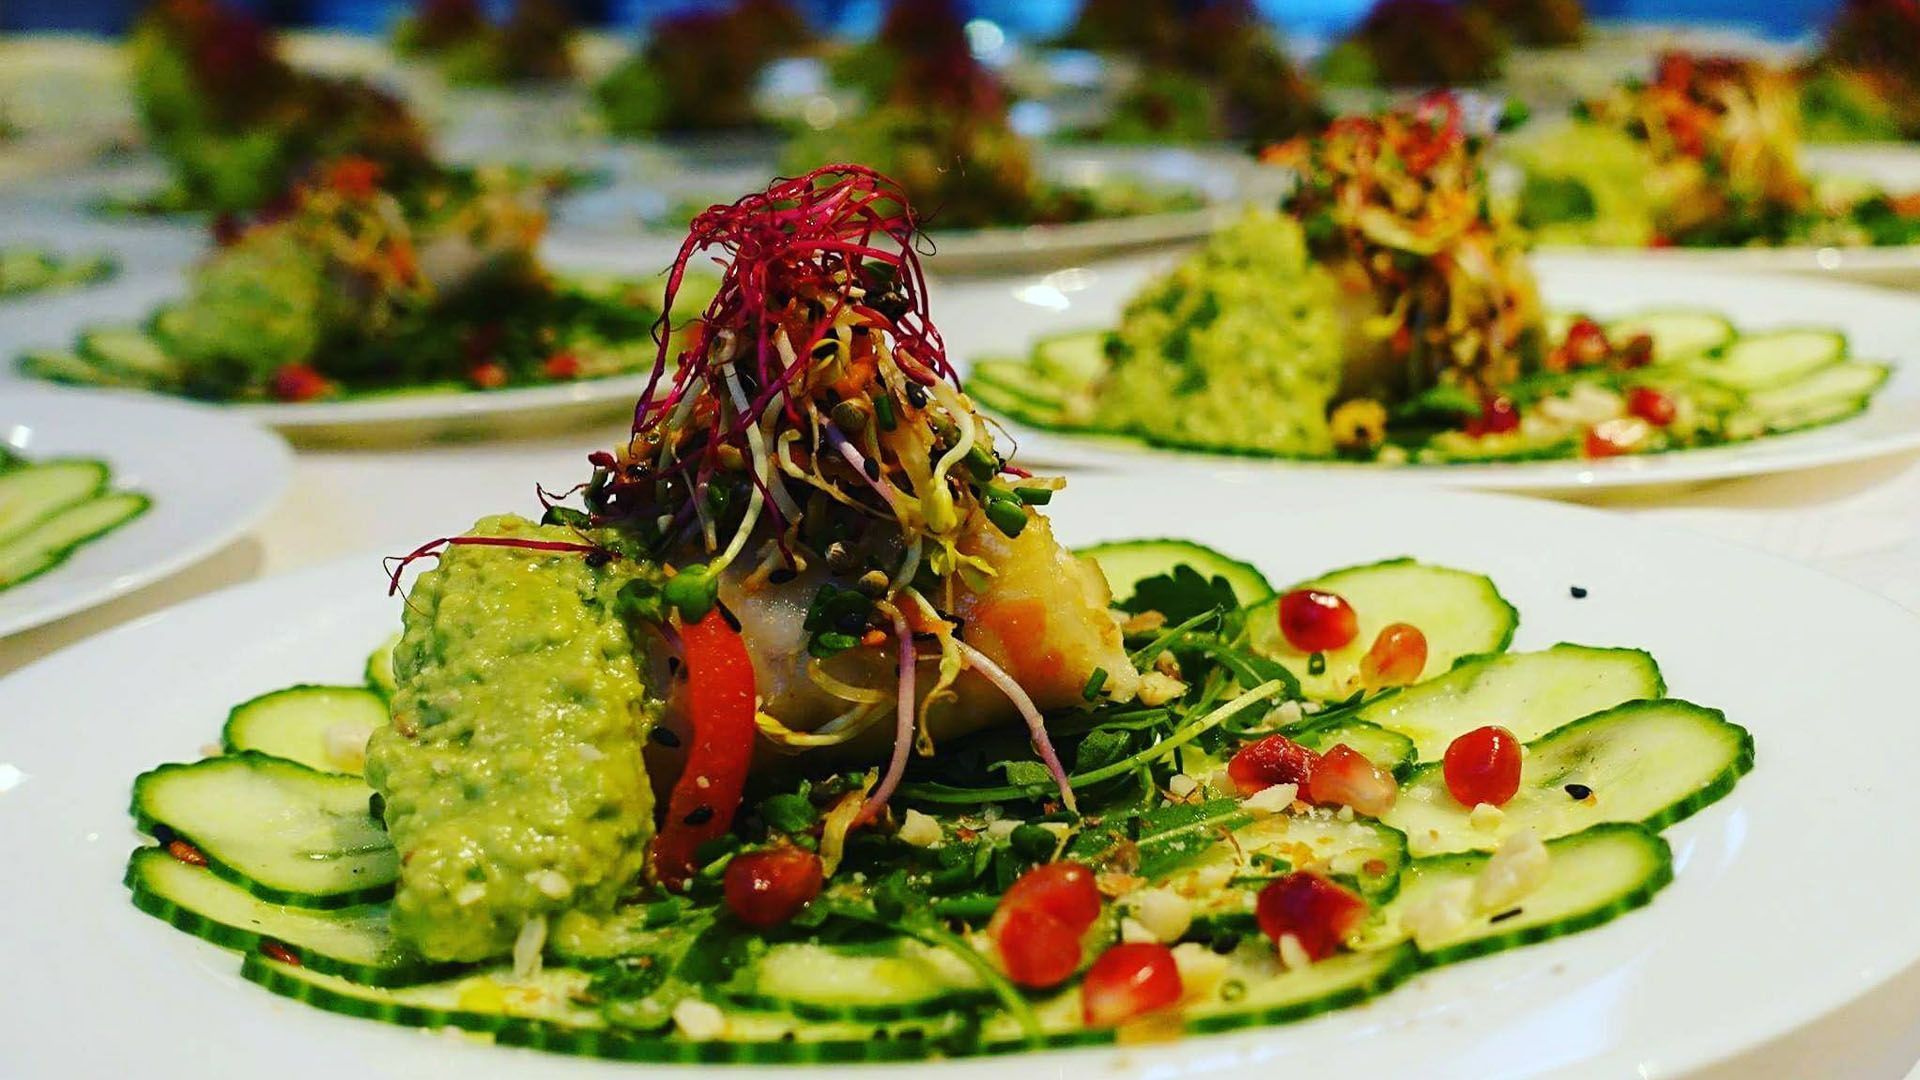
x=273, y=950
x=491, y=375
x=186, y=853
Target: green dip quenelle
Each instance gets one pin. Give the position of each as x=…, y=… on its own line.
x=1240, y=345
x=512, y=772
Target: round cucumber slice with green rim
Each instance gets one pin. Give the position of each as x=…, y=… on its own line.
x=1390, y=750
x=31, y=495
x=1460, y=612
x=321, y=727
x=1364, y=853
x=130, y=352
x=380, y=675
x=1647, y=762
x=48, y=544
x=1765, y=361
x=352, y=942
x=1126, y=563
x=1830, y=394
x=896, y=981
x=1677, y=335
x=1530, y=694
x=545, y=1012
x=1596, y=876
x=1017, y=404
x=1280, y=997
x=280, y=830
x=1019, y=379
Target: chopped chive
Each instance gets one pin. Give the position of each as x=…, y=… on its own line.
x=1034, y=496
x=1008, y=515
x=883, y=411
x=1094, y=682
x=1317, y=664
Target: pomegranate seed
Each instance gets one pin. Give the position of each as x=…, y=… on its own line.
x=1063, y=890
x=1275, y=759
x=1498, y=415
x=1650, y=405
x=1483, y=766
x=186, y=853
x=1314, y=621
x=766, y=888
x=1318, y=913
x=1345, y=777
x=562, y=365
x=488, y=376
x=1398, y=656
x=1037, y=949
x=298, y=382
x=1586, y=343
x=355, y=177
x=1638, y=351
x=1128, y=980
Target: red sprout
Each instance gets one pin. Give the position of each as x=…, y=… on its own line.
x=396, y=565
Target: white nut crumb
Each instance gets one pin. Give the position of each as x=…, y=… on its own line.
x=1345, y=814
x=1181, y=785
x=1486, y=817
x=1164, y=913
x=471, y=893
x=698, y=1020
x=920, y=830
x=1003, y=828
x=1438, y=915
x=1157, y=689
x=1201, y=969
x=345, y=745
x=552, y=884
x=1516, y=869
x=1272, y=800
x=1293, y=955
x=1134, y=933
x=1288, y=712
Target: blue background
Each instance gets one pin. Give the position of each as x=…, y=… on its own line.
x=1777, y=18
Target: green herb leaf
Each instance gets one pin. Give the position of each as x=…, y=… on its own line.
x=1181, y=594
x=1102, y=746
x=1172, y=836
x=789, y=813
x=1025, y=773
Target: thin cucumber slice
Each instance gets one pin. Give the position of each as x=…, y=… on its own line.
x=1364, y=853
x=380, y=675
x=131, y=352
x=1677, y=335
x=31, y=495
x=1830, y=394
x=1529, y=694
x=282, y=831
x=1127, y=563
x=1016, y=405
x=1073, y=359
x=1283, y=997
x=902, y=980
x=1390, y=750
x=60, y=366
x=1461, y=613
x=1021, y=380
x=545, y=1012
x=1765, y=361
x=1646, y=762
x=354, y=942
x=321, y=727
x=48, y=544
x=1596, y=876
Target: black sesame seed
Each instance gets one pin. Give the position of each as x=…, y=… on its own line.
x=781, y=576
x=916, y=396
x=699, y=815
x=873, y=469
x=377, y=806
x=673, y=665
x=1505, y=915
x=664, y=737
x=1579, y=592
x=1579, y=791
x=733, y=621
x=598, y=559
x=1317, y=664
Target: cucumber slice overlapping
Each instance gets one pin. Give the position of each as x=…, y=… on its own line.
x=322, y=727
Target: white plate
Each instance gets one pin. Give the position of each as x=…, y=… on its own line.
x=1226, y=181
x=210, y=476
x=1894, y=167
x=53, y=322
x=1880, y=325
x=1788, y=902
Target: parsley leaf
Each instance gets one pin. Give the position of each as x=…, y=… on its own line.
x=1181, y=594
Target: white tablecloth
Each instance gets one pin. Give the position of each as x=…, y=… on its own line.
x=1860, y=523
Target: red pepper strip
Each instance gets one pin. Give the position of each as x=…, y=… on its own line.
x=720, y=699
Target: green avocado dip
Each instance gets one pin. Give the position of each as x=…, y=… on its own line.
x=512, y=772
x=1239, y=345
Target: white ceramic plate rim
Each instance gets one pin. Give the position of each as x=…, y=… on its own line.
x=1620, y=1016
x=127, y=431
x=1891, y=425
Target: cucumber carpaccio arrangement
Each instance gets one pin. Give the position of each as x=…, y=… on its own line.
x=802, y=739
x=1387, y=312
x=50, y=509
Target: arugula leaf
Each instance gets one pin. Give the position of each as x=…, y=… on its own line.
x=1025, y=773
x=789, y=813
x=1102, y=746
x=1180, y=594
x=1172, y=836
